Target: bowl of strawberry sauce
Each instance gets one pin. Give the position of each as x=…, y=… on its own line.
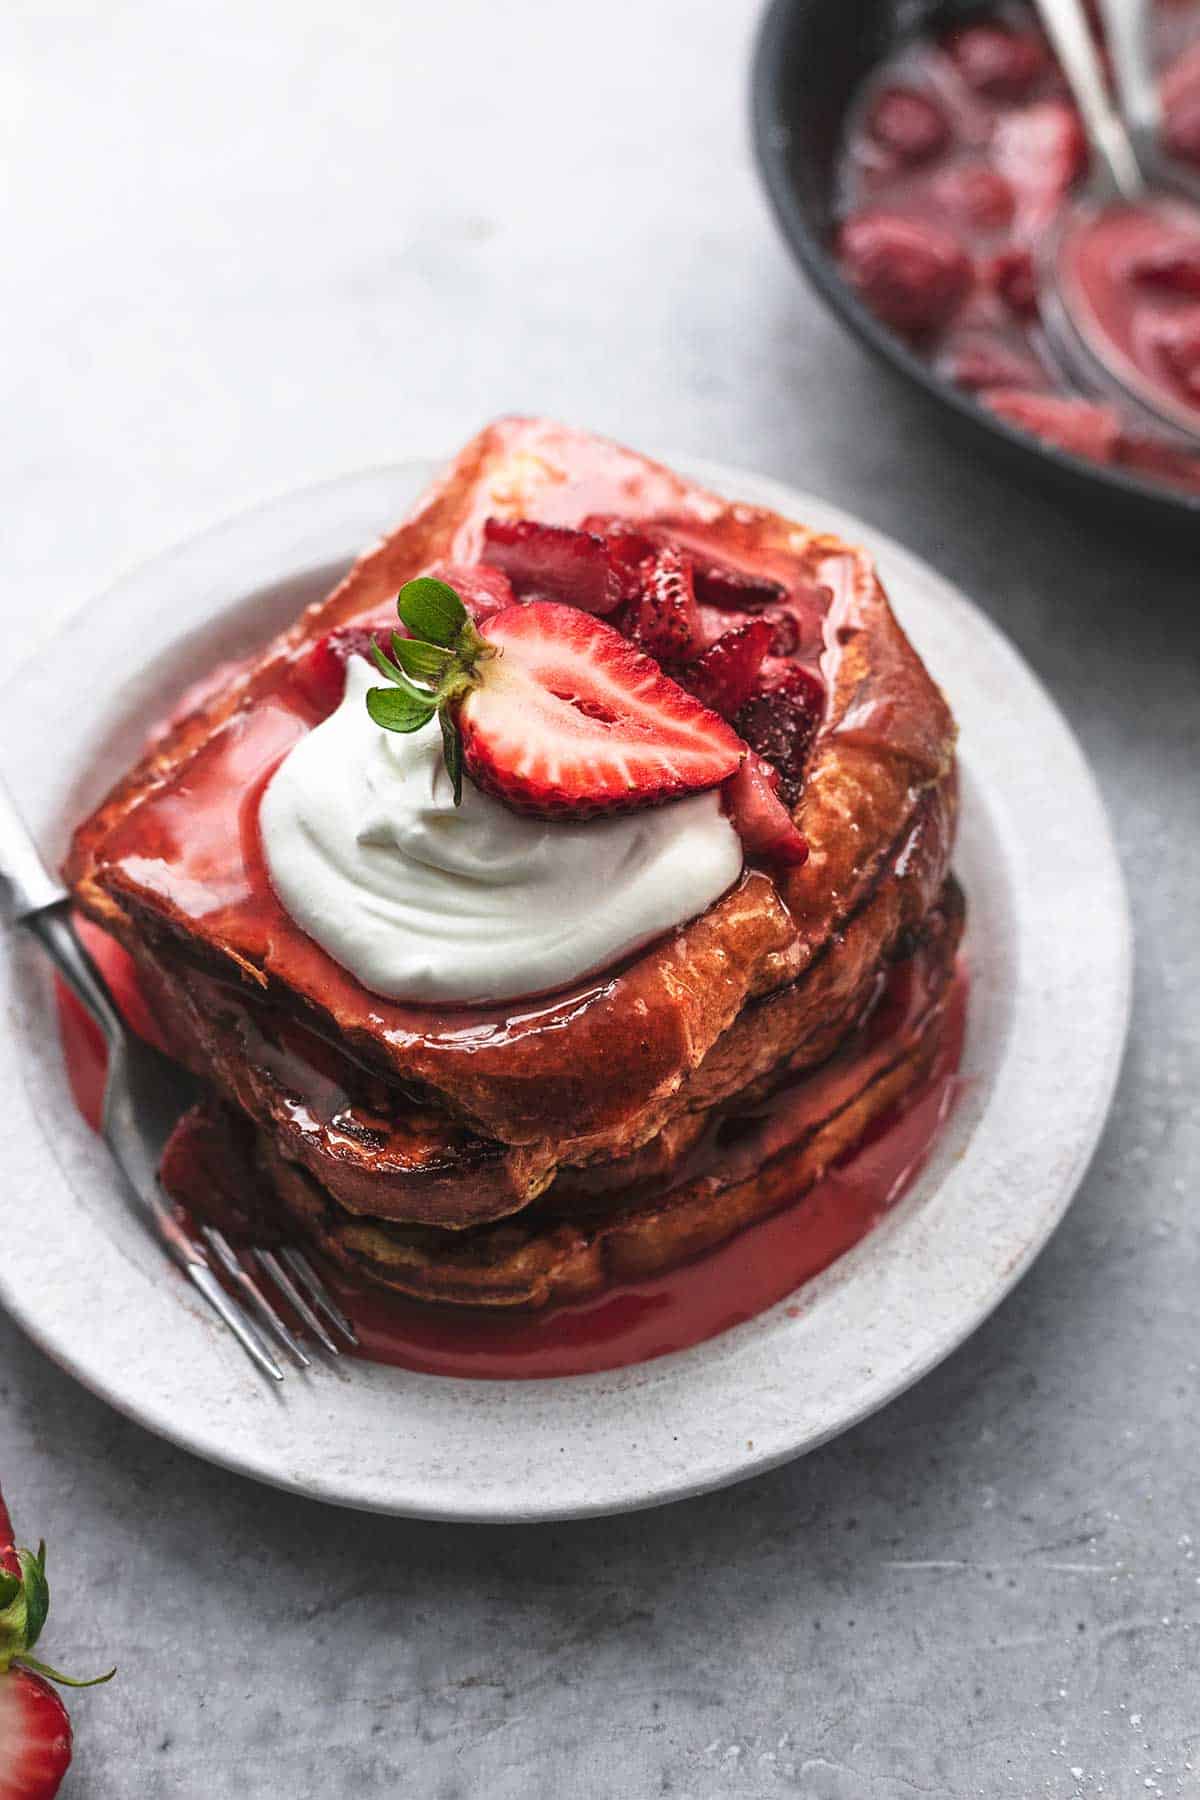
x=923, y=161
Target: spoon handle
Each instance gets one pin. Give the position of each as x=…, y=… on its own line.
x=1067, y=26
x=1127, y=33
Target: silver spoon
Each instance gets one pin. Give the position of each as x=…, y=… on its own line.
x=1118, y=177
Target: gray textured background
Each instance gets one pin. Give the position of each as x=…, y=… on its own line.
x=250, y=245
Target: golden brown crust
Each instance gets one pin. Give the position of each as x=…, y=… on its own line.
x=601, y=1069
x=562, y=1250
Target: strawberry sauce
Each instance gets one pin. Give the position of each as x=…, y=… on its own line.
x=628, y=1322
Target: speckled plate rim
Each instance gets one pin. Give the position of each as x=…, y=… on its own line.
x=1049, y=922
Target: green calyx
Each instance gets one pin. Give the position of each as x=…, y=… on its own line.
x=430, y=671
x=24, y=1603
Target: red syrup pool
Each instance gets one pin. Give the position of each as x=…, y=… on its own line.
x=628, y=1322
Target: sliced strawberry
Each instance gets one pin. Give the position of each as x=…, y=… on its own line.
x=1181, y=104
x=319, y=671
x=908, y=123
x=663, y=619
x=997, y=61
x=1178, y=343
x=733, y=590
x=481, y=589
x=557, y=562
x=1011, y=275
x=570, y=720
x=725, y=676
x=987, y=362
x=912, y=275
x=1173, y=266
x=764, y=824
x=780, y=722
x=1041, y=151
x=1153, y=456
x=972, y=194
x=1079, y=426
x=35, y=1737
x=628, y=545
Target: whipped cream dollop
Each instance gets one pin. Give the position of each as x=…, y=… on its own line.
x=425, y=901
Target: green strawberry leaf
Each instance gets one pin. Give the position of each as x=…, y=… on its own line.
x=432, y=610
x=400, y=709
x=37, y=1593
x=427, y=662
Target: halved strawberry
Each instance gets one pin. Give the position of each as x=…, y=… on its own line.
x=35, y=1732
x=568, y=720
x=35, y=1737
x=764, y=824
x=724, y=677
x=663, y=619
x=558, y=562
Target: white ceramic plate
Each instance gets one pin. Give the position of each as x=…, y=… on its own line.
x=1049, y=948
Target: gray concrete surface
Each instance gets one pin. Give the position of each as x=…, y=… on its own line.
x=249, y=245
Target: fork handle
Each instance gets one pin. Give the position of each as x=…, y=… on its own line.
x=26, y=885
x=30, y=896
x=55, y=931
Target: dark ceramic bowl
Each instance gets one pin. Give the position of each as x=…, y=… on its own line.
x=810, y=58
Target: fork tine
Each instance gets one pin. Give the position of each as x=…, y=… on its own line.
x=243, y=1329
x=268, y=1260
x=319, y=1294
x=246, y=1284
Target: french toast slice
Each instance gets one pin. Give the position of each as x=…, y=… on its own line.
x=168, y=865
x=734, y=1164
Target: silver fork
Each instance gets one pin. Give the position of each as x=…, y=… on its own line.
x=145, y=1095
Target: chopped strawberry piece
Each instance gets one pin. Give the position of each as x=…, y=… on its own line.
x=912, y=275
x=780, y=722
x=1041, y=151
x=557, y=562
x=1153, y=456
x=1079, y=426
x=663, y=619
x=1181, y=104
x=319, y=670
x=725, y=676
x=997, y=61
x=1011, y=275
x=482, y=590
x=1181, y=126
x=764, y=824
x=908, y=123
x=972, y=194
x=35, y=1737
x=1173, y=266
x=988, y=362
x=571, y=720
x=629, y=545
x=1178, y=342
x=734, y=590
